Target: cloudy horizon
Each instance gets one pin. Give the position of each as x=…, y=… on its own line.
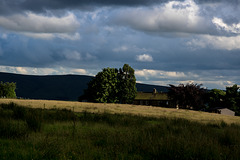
x=165, y=41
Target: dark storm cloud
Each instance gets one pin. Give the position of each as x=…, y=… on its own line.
x=13, y=6
x=217, y=1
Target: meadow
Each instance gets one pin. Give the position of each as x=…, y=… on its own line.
x=96, y=131
x=146, y=111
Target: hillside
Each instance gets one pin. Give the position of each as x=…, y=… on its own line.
x=57, y=87
x=146, y=111
x=113, y=131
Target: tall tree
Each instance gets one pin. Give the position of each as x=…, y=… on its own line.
x=127, y=84
x=188, y=96
x=216, y=98
x=233, y=98
x=103, y=88
x=112, y=86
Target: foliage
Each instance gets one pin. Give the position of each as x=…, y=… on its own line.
x=7, y=90
x=233, y=98
x=112, y=86
x=216, y=98
x=188, y=96
x=108, y=136
x=103, y=88
x=229, y=98
x=127, y=84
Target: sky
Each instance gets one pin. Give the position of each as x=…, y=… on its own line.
x=166, y=42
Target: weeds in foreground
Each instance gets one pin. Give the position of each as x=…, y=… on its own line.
x=62, y=134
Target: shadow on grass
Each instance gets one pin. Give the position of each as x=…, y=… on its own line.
x=63, y=134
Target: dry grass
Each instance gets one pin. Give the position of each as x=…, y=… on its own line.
x=127, y=109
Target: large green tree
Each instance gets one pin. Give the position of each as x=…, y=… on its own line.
x=7, y=90
x=112, y=86
x=103, y=88
x=127, y=84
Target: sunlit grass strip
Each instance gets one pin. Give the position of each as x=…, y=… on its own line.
x=127, y=109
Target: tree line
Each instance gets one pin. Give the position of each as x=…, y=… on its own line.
x=113, y=85
x=193, y=96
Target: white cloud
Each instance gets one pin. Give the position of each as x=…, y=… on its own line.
x=79, y=71
x=209, y=78
x=34, y=23
x=174, y=16
x=217, y=42
x=27, y=70
x=144, y=58
x=234, y=28
x=148, y=73
x=21, y=70
x=46, y=36
x=42, y=71
x=43, y=27
x=49, y=36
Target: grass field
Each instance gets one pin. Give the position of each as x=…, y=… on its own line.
x=36, y=134
x=148, y=111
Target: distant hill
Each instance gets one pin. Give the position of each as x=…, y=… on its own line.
x=58, y=87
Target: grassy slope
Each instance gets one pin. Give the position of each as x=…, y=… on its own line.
x=128, y=109
x=27, y=133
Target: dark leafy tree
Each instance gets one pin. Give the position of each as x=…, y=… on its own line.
x=103, y=88
x=112, y=86
x=7, y=90
x=216, y=98
x=188, y=96
x=127, y=84
x=233, y=98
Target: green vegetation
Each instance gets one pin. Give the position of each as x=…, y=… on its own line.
x=188, y=96
x=192, y=96
x=216, y=98
x=229, y=98
x=63, y=134
x=112, y=86
x=7, y=90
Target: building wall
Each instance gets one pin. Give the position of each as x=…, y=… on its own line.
x=226, y=111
